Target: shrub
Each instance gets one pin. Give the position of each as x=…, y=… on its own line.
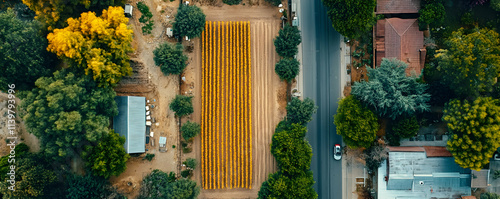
x=145, y=18
x=300, y=112
x=274, y=2
x=407, y=127
x=170, y=59
x=287, y=69
x=190, y=130
x=287, y=41
x=231, y=2
x=190, y=163
x=149, y=157
x=432, y=14
x=186, y=173
x=189, y=21
x=182, y=105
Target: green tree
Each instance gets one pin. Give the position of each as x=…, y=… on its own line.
x=170, y=59
x=300, y=112
x=99, y=46
x=292, y=152
x=24, y=57
x=287, y=69
x=351, y=17
x=281, y=186
x=190, y=130
x=190, y=163
x=182, y=105
x=108, y=158
x=182, y=189
x=432, y=13
x=406, y=127
x=89, y=186
x=287, y=41
x=356, y=124
x=66, y=111
x=495, y=4
x=274, y=2
x=21, y=151
x=390, y=92
x=189, y=21
x=231, y=2
x=489, y=195
x=471, y=62
x=474, y=126
x=154, y=184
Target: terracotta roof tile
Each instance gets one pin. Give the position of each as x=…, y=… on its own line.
x=437, y=151
x=397, y=6
x=405, y=149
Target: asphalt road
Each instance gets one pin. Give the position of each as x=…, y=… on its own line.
x=321, y=73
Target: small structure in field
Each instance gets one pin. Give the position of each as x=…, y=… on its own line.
x=128, y=10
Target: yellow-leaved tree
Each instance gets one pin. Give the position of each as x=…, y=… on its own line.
x=99, y=45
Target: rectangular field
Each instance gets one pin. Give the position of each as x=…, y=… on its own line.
x=226, y=96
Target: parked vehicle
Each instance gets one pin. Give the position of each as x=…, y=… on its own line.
x=337, y=152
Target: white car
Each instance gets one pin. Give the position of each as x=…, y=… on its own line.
x=337, y=152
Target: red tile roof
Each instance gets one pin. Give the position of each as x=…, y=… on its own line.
x=437, y=151
x=405, y=149
x=397, y=6
x=401, y=39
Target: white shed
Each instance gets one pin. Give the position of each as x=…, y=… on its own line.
x=128, y=10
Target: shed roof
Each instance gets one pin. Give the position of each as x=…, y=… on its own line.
x=437, y=151
x=131, y=122
x=397, y=6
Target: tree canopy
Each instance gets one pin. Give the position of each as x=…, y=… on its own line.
x=471, y=62
x=182, y=105
x=281, y=186
x=182, y=189
x=287, y=41
x=170, y=59
x=351, y=17
x=21, y=150
x=357, y=124
x=108, y=158
x=287, y=69
x=89, y=186
x=189, y=21
x=474, y=126
x=98, y=45
x=159, y=184
x=292, y=152
x=489, y=195
x=190, y=130
x=24, y=57
x=66, y=111
x=300, y=112
x=390, y=92
x=433, y=12
x=54, y=13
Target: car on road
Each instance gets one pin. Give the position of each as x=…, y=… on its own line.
x=337, y=152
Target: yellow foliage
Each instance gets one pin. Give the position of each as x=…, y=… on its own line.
x=99, y=45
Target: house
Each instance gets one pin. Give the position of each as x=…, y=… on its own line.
x=397, y=6
x=424, y=173
x=131, y=122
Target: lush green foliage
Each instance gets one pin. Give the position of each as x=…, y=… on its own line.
x=274, y=2
x=231, y=2
x=146, y=18
x=186, y=173
x=189, y=21
x=351, y=17
x=287, y=69
x=65, y=111
x=374, y=156
x=495, y=4
x=432, y=13
x=158, y=184
x=287, y=41
x=21, y=151
x=471, y=62
x=390, y=92
x=474, y=127
x=190, y=163
x=170, y=59
x=489, y=195
x=300, y=112
x=89, y=186
x=406, y=127
x=190, y=130
x=292, y=152
x=356, y=124
x=98, y=45
x=108, y=158
x=54, y=13
x=24, y=58
x=284, y=187
x=182, y=105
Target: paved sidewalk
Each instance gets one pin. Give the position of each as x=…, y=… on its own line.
x=494, y=183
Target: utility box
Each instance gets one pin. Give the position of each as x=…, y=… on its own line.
x=128, y=10
x=170, y=33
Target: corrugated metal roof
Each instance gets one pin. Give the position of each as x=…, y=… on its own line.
x=131, y=122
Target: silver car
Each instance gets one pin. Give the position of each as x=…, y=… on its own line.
x=337, y=152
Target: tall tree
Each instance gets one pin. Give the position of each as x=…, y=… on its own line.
x=170, y=59
x=55, y=12
x=24, y=57
x=287, y=41
x=474, y=126
x=90, y=186
x=108, y=158
x=287, y=69
x=281, y=186
x=182, y=189
x=189, y=21
x=356, y=124
x=190, y=130
x=66, y=111
x=432, y=13
x=182, y=105
x=98, y=45
x=292, y=152
x=21, y=151
x=154, y=184
x=351, y=17
x=390, y=92
x=300, y=112
x=471, y=62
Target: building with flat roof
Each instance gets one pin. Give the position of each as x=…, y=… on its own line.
x=131, y=122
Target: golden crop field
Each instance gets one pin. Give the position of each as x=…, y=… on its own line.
x=226, y=122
